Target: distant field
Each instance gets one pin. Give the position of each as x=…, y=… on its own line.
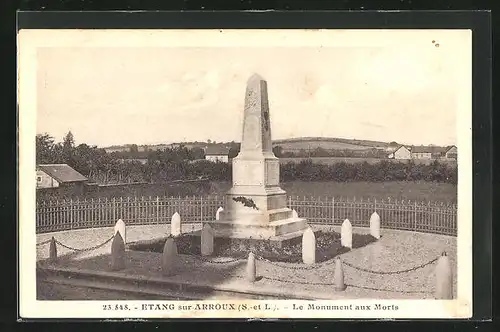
x=421, y=191
x=321, y=144
x=329, y=143
x=334, y=160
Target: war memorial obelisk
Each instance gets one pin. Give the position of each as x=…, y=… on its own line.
x=256, y=205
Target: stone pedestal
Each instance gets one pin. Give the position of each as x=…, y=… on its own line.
x=256, y=205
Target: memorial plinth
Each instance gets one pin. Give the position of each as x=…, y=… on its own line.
x=256, y=205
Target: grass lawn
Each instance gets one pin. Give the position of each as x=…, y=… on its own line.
x=420, y=191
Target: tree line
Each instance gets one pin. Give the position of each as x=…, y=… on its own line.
x=181, y=163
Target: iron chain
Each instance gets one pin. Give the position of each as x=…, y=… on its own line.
x=348, y=285
x=44, y=242
x=86, y=249
x=260, y=258
x=390, y=272
x=218, y=262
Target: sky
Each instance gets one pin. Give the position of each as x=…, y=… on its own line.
x=405, y=92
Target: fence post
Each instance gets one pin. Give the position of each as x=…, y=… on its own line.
x=201, y=208
x=71, y=213
x=157, y=209
x=333, y=210
x=113, y=209
x=415, y=217
x=92, y=211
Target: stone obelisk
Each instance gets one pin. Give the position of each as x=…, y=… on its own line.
x=256, y=205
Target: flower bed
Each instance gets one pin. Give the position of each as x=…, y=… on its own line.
x=327, y=247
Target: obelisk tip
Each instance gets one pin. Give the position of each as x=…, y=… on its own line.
x=255, y=78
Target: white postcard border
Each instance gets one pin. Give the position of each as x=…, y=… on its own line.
x=30, y=40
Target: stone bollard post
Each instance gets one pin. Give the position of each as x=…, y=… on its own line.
x=120, y=227
x=375, y=225
x=251, y=270
x=444, y=278
x=308, y=247
x=52, y=250
x=176, y=225
x=339, y=275
x=346, y=234
x=207, y=240
x=295, y=215
x=217, y=214
x=117, y=253
x=169, y=258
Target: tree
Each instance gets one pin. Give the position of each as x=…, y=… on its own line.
x=68, y=147
x=278, y=151
x=234, y=150
x=134, y=149
x=44, y=149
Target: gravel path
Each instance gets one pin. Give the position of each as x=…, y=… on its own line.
x=395, y=251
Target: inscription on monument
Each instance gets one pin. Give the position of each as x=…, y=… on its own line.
x=272, y=173
x=266, y=120
x=247, y=173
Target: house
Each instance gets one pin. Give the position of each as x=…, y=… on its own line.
x=450, y=152
x=112, y=149
x=58, y=175
x=423, y=152
x=143, y=161
x=434, y=152
x=217, y=153
x=402, y=152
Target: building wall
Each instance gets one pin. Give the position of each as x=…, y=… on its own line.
x=452, y=153
x=214, y=158
x=402, y=153
x=422, y=155
x=43, y=180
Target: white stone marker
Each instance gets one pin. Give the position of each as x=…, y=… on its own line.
x=295, y=215
x=346, y=234
x=375, y=225
x=339, y=275
x=117, y=253
x=175, y=225
x=169, y=258
x=120, y=227
x=52, y=250
x=217, y=214
x=207, y=240
x=251, y=270
x=308, y=247
x=444, y=280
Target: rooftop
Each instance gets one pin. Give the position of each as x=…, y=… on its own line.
x=62, y=172
x=217, y=150
x=430, y=149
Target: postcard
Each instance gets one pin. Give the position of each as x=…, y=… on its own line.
x=245, y=173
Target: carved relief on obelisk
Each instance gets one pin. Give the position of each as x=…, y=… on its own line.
x=256, y=127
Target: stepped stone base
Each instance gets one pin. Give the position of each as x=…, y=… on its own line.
x=234, y=229
x=278, y=241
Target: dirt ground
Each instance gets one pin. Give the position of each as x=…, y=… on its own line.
x=394, y=252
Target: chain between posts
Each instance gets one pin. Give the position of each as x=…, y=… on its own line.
x=391, y=272
x=86, y=249
x=319, y=265
x=44, y=242
x=218, y=262
x=349, y=285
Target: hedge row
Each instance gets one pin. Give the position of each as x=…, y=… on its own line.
x=341, y=172
x=378, y=172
